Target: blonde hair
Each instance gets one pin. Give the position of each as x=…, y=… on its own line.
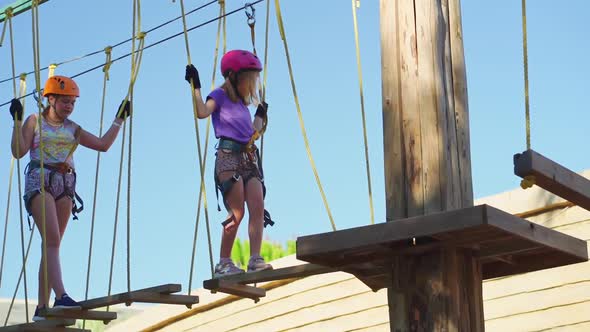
x=232, y=91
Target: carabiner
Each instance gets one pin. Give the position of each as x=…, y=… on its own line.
x=250, y=14
x=37, y=97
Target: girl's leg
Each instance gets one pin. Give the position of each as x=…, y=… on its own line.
x=63, y=210
x=235, y=201
x=255, y=202
x=52, y=243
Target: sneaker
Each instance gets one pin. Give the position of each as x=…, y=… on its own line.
x=66, y=302
x=257, y=263
x=36, y=316
x=226, y=268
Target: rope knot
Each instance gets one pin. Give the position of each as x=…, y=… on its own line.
x=8, y=12
x=23, y=76
x=52, y=69
x=108, y=63
x=141, y=35
x=528, y=181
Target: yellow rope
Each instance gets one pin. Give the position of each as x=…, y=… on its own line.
x=202, y=191
x=355, y=5
x=36, y=61
x=529, y=180
x=299, y=114
x=105, y=69
x=18, y=134
x=25, y=254
x=117, y=201
x=264, y=72
x=135, y=65
x=20, y=277
x=8, y=14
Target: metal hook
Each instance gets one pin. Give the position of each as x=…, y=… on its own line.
x=250, y=14
x=37, y=97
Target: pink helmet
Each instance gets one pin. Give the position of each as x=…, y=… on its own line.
x=239, y=60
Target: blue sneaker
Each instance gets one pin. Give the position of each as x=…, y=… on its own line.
x=36, y=316
x=66, y=302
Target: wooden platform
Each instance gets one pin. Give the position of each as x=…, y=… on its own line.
x=50, y=325
x=553, y=177
x=237, y=284
x=505, y=244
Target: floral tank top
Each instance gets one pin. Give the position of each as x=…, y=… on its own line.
x=59, y=142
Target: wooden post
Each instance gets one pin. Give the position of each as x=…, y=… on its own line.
x=427, y=160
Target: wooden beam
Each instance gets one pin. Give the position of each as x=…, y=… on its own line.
x=233, y=288
x=48, y=325
x=126, y=297
x=553, y=177
x=104, y=316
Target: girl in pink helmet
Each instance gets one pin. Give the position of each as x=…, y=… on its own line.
x=60, y=136
x=237, y=172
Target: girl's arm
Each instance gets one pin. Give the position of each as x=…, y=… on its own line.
x=260, y=116
x=103, y=143
x=204, y=109
x=25, y=138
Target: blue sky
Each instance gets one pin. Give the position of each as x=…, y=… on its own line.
x=165, y=177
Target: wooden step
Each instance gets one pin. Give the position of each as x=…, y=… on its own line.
x=233, y=288
x=553, y=177
x=145, y=295
x=44, y=325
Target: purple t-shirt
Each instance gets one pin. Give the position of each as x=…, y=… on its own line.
x=230, y=120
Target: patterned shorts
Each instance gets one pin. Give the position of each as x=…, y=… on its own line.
x=240, y=163
x=56, y=184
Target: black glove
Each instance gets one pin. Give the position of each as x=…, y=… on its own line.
x=124, y=110
x=261, y=110
x=16, y=110
x=192, y=74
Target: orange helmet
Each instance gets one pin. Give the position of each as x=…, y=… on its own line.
x=61, y=85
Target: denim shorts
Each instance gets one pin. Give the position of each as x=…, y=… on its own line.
x=244, y=164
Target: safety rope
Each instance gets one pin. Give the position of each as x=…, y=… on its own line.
x=355, y=5
x=529, y=180
x=106, y=68
x=299, y=114
x=20, y=276
x=202, y=159
x=17, y=128
x=36, y=61
x=77, y=58
x=117, y=202
x=264, y=72
x=8, y=14
x=198, y=26
x=135, y=65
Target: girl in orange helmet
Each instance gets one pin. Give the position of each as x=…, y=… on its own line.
x=60, y=136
